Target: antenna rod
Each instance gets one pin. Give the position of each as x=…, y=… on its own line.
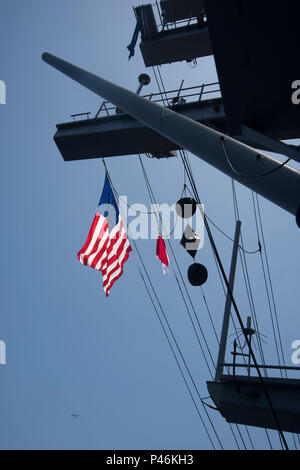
x=226, y=318
x=282, y=187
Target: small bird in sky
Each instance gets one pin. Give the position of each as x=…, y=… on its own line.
x=75, y=415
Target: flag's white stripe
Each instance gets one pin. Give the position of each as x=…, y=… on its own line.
x=112, y=239
x=90, y=258
x=109, y=269
x=113, y=246
x=119, y=261
x=96, y=233
x=100, y=246
x=102, y=263
x=99, y=263
x=116, y=244
x=106, y=244
x=108, y=284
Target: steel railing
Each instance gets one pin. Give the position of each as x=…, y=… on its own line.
x=199, y=93
x=179, y=96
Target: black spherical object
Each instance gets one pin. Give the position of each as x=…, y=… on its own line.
x=144, y=79
x=197, y=274
x=186, y=207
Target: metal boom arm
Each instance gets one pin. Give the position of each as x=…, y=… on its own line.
x=282, y=187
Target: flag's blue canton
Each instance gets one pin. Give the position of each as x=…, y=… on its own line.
x=107, y=197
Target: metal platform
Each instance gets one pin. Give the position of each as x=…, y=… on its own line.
x=241, y=400
x=172, y=42
x=115, y=133
x=282, y=188
x=254, y=47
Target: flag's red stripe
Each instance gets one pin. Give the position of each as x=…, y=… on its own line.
x=115, y=257
x=115, y=273
x=93, y=251
x=111, y=281
x=108, y=287
x=110, y=256
x=107, y=290
x=117, y=267
x=99, y=255
x=102, y=231
x=90, y=235
x=106, y=261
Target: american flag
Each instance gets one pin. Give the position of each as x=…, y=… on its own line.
x=107, y=246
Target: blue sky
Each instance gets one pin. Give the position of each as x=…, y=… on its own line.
x=69, y=349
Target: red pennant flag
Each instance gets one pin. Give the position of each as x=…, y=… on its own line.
x=161, y=254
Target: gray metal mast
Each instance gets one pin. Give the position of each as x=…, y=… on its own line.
x=226, y=318
x=246, y=164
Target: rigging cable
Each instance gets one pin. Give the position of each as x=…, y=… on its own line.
x=184, y=158
x=226, y=235
x=174, y=354
x=169, y=242
x=249, y=292
x=159, y=87
x=267, y=293
x=213, y=326
x=238, y=315
x=162, y=83
x=239, y=343
x=268, y=270
x=270, y=294
x=173, y=337
x=233, y=300
x=223, y=139
x=247, y=281
x=153, y=200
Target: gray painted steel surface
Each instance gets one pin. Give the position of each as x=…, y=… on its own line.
x=281, y=187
